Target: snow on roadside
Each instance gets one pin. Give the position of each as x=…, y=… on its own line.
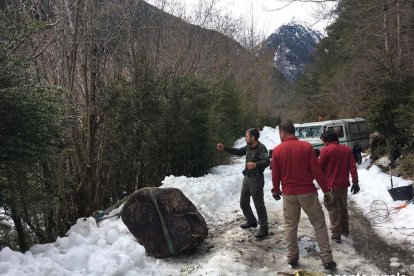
x=109, y=248
x=398, y=227
x=5, y=219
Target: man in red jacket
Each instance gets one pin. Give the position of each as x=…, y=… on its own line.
x=294, y=164
x=336, y=162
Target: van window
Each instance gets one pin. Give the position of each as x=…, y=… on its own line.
x=363, y=127
x=308, y=131
x=353, y=128
x=338, y=129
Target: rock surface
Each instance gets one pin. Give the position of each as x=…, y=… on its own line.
x=164, y=221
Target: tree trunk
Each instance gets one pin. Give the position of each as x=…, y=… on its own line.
x=399, y=32
x=17, y=220
x=386, y=33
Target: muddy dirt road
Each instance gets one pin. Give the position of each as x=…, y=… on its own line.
x=362, y=252
x=369, y=245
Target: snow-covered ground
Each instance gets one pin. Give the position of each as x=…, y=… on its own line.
x=109, y=248
x=5, y=218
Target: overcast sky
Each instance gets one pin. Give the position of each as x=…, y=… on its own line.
x=267, y=17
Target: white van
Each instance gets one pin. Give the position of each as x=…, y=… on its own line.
x=351, y=132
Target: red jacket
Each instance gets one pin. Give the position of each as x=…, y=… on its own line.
x=294, y=163
x=337, y=161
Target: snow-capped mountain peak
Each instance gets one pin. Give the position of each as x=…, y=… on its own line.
x=293, y=46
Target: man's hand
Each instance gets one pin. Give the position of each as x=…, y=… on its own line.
x=276, y=196
x=355, y=188
x=220, y=146
x=328, y=199
x=251, y=165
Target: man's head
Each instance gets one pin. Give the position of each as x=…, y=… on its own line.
x=338, y=130
x=329, y=136
x=286, y=129
x=252, y=136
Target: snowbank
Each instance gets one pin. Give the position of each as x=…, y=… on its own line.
x=396, y=228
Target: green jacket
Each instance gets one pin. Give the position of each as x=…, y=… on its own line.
x=258, y=155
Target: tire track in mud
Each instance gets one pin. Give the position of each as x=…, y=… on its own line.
x=373, y=247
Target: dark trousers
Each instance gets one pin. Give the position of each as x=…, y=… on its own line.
x=253, y=186
x=338, y=212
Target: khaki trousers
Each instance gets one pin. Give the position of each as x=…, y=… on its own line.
x=338, y=212
x=292, y=205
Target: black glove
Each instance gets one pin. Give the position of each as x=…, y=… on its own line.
x=355, y=188
x=276, y=196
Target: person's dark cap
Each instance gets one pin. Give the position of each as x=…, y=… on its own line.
x=329, y=136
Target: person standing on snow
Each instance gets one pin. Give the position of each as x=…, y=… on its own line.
x=337, y=162
x=257, y=159
x=295, y=166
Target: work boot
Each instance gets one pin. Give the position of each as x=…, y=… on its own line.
x=248, y=225
x=330, y=265
x=293, y=263
x=263, y=232
x=336, y=238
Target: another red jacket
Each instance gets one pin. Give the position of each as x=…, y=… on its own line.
x=337, y=161
x=294, y=163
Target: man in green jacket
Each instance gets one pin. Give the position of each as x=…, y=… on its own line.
x=257, y=159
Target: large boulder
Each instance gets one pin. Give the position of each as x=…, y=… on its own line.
x=164, y=221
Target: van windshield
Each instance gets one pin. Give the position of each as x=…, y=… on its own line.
x=309, y=132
